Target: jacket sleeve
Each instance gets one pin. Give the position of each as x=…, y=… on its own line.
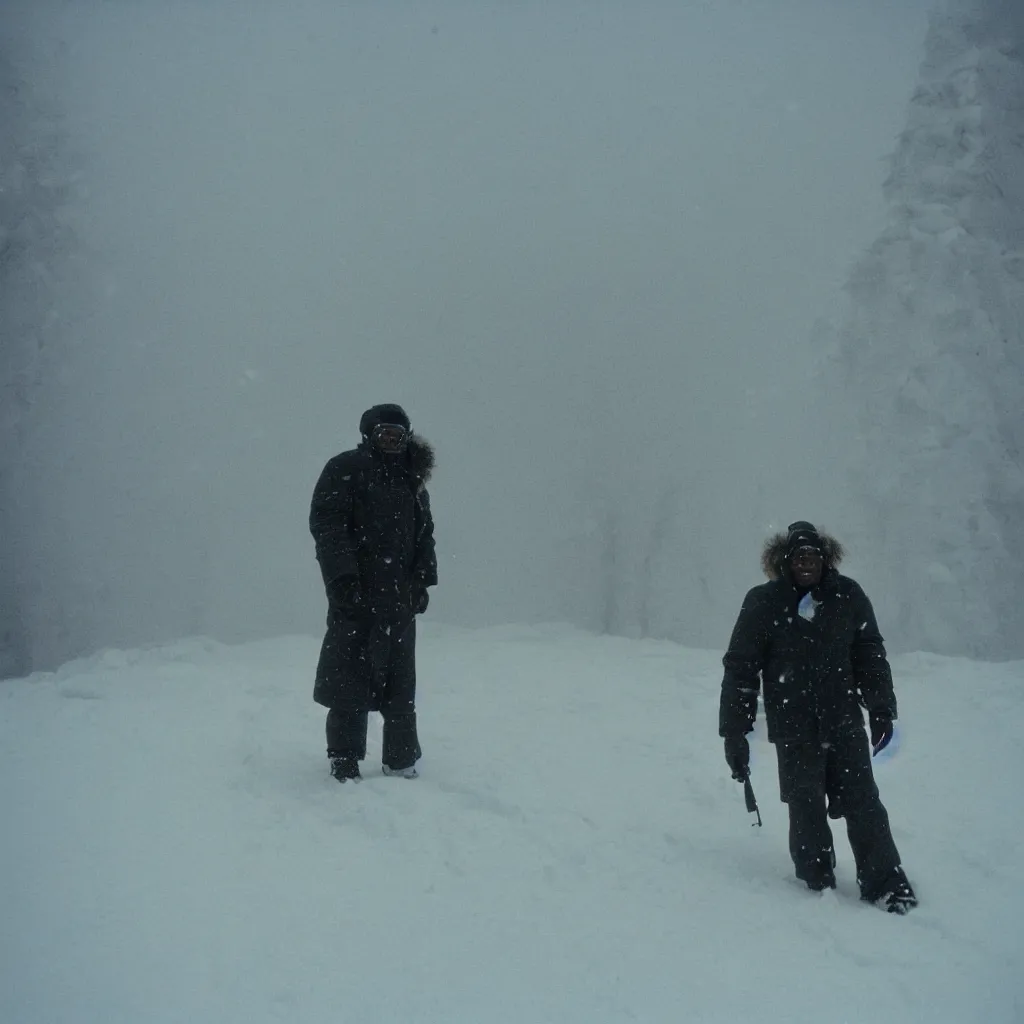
x=425, y=561
x=870, y=664
x=743, y=661
x=330, y=522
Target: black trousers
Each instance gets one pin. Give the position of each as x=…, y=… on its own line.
x=393, y=692
x=841, y=771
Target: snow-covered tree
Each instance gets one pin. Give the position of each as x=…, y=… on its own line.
x=933, y=351
x=32, y=237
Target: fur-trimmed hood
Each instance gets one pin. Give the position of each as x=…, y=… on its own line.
x=773, y=556
x=420, y=454
x=418, y=457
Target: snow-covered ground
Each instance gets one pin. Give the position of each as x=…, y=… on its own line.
x=574, y=851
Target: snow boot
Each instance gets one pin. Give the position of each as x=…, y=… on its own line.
x=345, y=768
x=821, y=883
x=901, y=899
x=403, y=773
x=896, y=896
x=818, y=877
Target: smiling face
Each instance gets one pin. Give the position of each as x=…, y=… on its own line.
x=806, y=565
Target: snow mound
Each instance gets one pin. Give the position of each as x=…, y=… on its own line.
x=574, y=850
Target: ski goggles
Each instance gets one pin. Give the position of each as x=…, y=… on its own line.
x=390, y=437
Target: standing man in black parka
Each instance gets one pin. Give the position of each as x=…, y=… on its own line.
x=809, y=636
x=370, y=519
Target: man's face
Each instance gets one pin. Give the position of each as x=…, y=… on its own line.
x=390, y=438
x=806, y=564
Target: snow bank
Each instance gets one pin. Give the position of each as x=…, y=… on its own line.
x=574, y=851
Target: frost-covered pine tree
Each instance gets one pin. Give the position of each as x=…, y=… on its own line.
x=933, y=351
x=34, y=244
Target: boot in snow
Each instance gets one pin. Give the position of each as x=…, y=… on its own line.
x=821, y=883
x=896, y=896
x=403, y=773
x=818, y=877
x=901, y=900
x=345, y=768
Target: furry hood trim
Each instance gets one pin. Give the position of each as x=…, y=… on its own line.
x=773, y=556
x=418, y=459
x=420, y=453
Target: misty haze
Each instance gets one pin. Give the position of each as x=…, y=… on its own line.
x=653, y=281
x=601, y=253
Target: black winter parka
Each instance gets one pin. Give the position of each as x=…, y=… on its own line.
x=816, y=673
x=371, y=522
x=370, y=519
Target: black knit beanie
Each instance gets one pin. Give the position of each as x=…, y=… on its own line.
x=387, y=413
x=802, y=534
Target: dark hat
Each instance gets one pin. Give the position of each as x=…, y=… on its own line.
x=387, y=413
x=802, y=534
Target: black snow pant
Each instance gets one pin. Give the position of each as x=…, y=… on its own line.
x=841, y=770
x=393, y=693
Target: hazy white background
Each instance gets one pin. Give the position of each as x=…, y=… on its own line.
x=585, y=244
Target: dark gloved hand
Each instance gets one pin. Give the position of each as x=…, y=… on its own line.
x=737, y=757
x=345, y=592
x=420, y=600
x=881, y=731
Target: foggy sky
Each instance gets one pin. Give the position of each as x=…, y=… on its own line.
x=585, y=246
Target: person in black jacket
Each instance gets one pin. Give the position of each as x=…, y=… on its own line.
x=810, y=639
x=370, y=518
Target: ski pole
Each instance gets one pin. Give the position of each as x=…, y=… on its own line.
x=748, y=796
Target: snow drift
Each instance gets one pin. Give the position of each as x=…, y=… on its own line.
x=575, y=850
